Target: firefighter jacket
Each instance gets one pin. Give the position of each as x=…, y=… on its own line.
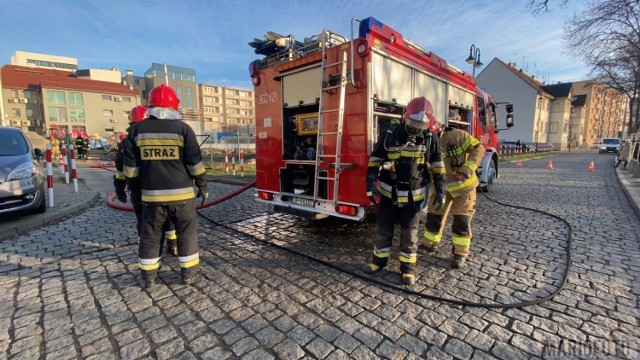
x=79, y=143
x=461, y=153
x=164, y=155
x=402, y=166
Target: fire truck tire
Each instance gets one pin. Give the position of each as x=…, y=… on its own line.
x=488, y=187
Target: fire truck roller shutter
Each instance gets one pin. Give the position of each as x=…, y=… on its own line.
x=391, y=80
x=303, y=86
x=435, y=91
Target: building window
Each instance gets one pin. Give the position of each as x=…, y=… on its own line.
x=76, y=115
x=55, y=97
x=57, y=114
x=75, y=99
x=137, y=81
x=14, y=94
x=108, y=130
x=126, y=98
x=107, y=112
x=106, y=97
x=553, y=129
x=15, y=112
x=179, y=93
x=27, y=94
x=189, y=98
x=29, y=113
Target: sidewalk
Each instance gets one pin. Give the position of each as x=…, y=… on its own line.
x=631, y=188
x=66, y=203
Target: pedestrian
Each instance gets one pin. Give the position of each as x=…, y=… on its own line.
x=136, y=115
x=79, y=145
x=461, y=154
x=623, y=154
x=162, y=159
x=400, y=165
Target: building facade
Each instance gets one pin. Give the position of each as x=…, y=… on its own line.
x=55, y=102
x=29, y=59
x=606, y=111
x=228, y=109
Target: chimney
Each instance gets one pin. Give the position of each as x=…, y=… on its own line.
x=533, y=77
x=129, y=72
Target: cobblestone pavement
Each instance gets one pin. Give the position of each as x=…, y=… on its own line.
x=71, y=289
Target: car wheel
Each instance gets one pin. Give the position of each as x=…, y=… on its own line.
x=42, y=207
x=488, y=187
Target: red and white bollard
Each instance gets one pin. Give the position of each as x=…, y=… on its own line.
x=65, y=167
x=226, y=160
x=242, y=163
x=49, y=174
x=74, y=176
x=61, y=163
x=233, y=162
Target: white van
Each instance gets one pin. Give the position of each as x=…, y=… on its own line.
x=610, y=145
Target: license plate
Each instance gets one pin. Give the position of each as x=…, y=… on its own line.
x=302, y=201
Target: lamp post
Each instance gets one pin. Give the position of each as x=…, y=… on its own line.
x=474, y=58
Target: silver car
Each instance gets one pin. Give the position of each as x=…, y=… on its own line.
x=22, y=181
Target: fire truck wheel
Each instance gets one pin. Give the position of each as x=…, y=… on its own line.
x=488, y=187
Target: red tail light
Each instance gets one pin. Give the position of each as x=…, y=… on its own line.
x=265, y=195
x=254, y=72
x=347, y=210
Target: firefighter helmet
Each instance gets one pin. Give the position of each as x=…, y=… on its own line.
x=137, y=114
x=163, y=96
x=122, y=136
x=418, y=114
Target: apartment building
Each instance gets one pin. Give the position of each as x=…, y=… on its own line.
x=45, y=61
x=227, y=109
x=56, y=102
x=606, y=111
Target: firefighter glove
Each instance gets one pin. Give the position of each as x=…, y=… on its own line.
x=120, y=185
x=203, y=193
x=372, y=191
x=439, y=200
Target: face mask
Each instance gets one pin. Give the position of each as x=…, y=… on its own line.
x=412, y=131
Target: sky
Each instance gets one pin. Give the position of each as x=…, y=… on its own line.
x=212, y=36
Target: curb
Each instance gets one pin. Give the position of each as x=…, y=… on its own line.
x=630, y=197
x=51, y=216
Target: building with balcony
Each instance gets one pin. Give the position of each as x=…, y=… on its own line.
x=606, y=111
x=228, y=109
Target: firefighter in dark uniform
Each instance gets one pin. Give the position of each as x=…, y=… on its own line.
x=461, y=153
x=400, y=164
x=162, y=159
x=136, y=115
x=79, y=145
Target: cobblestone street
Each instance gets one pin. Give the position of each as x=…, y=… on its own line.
x=71, y=289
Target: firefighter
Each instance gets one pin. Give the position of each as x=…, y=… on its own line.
x=136, y=115
x=400, y=164
x=461, y=154
x=162, y=158
x=79, y=145
x=55, y=147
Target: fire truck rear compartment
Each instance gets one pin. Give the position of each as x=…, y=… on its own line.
x=298, y=179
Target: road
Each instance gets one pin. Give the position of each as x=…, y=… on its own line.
x=71, y=289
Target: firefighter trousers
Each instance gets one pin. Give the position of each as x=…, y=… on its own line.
x=168, y=229
x=408, y=218
x=463, y=208
x=183, y=216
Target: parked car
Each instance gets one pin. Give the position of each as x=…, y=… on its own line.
x=610, y=145
x=22, y=181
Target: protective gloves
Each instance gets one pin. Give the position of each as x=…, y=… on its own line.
x=120, y=185
x=372, y=192
x=439, y=201
x=202, y=193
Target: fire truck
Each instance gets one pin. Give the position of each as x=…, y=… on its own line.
x=321, y=102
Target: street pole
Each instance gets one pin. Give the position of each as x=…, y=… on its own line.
x=238, y=132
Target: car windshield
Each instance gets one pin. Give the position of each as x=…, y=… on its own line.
x=611, y=141
x=12, y=143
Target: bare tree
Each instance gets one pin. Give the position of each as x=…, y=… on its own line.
x=606, y=36
x=539, y=7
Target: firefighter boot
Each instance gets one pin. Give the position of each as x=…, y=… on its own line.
x=190, y=275
x=408, y=275
x=171, y=242
x=458, y=261
x=428, y=246
x=149, y=279
x=376, y=265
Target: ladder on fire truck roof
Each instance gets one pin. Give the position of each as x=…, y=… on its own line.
x=328, y=88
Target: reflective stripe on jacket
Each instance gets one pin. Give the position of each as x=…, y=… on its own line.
x=165, y=156
x=461, y=153
x=405, y=175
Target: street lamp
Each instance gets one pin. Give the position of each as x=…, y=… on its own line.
x=474, y=58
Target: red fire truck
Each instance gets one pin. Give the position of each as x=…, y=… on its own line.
x=321, y=103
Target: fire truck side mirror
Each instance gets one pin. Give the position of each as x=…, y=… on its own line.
x=509, y=108
x=509, y=120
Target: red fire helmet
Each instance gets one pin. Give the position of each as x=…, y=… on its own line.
x=137, y=114
x=163, y=96
x=122, y=136
x=418, y=113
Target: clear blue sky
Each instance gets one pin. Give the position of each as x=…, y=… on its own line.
x=212, y=36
